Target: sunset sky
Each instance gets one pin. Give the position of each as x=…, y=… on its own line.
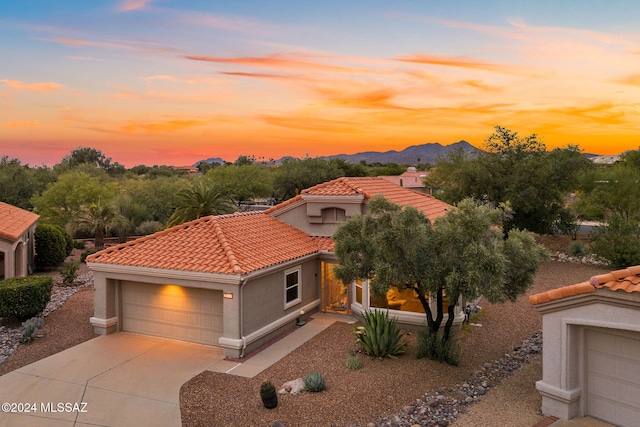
x=173, y=82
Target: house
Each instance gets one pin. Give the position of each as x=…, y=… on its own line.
x=592, y=348
x=411, y=178
x=17, y=245
x=238, y=280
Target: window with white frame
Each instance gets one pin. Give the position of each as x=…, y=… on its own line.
x=292, y=291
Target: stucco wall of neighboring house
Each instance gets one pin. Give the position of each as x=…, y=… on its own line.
x=264, y=301
x=564, y=324
x=18, y=254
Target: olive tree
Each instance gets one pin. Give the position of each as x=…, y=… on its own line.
x=462, y=254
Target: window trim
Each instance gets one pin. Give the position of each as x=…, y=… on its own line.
x=289, y=304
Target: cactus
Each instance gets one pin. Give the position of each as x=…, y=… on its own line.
x=314, y=382
x=268, y=395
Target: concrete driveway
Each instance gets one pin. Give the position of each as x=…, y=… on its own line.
x=115, y=380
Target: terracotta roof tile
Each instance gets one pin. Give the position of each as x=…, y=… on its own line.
x=324, y=243
x=372, y=186
x=627, y=280
x=226, y=244
x=15, y=221
x=283, y=204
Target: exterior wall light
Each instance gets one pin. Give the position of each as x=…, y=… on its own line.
x=227, y=295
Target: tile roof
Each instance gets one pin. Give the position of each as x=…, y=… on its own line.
x=15, y=221
x=627, y=280
x=227, y=244
x=324, y=243
x=372, y=186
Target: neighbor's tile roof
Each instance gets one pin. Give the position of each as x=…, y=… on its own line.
x=226, y=244
x=370, y=187
x=15, y=221
x=627, y=280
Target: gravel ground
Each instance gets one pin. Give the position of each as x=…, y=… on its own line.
x=383, y=392
x=380, y=392
x=66, y=323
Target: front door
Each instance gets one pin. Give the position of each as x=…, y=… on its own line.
x=335, y=295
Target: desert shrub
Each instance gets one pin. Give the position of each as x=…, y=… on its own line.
x=68, y=240
x=78, y=244
x=618, y=242
x=314, y=382
x=148, y=227
x=353, y=362
x=268, y=394
x=85, y=254
x=24, y=297
x=577, y=249
x=69, y=273
x=380, y=335
x=431, y=346
x=30, y=328
x=51, y=246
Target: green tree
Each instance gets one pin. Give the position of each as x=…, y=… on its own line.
x=517, y=170
x=242, y=183
x=96, y=218
x=462, y=255
x=155, y=199
x=200, y=200
x=89, y=157
x=294, y=175
x=63, y=198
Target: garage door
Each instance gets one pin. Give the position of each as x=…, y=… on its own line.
x=169, y=311
x=613, y=377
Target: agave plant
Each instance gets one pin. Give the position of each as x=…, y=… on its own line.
x=314, y=382
x=380, y=335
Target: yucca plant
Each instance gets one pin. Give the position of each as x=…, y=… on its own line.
x=380, y=335
x=268, y=394
x=314, y=382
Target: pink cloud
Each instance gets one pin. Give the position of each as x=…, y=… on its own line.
x=129, y=5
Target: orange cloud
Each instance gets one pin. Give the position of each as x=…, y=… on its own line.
x=283, y=61
x=307, y=123
x=461, y=62
x=18, y=124
x=162, y=126
x=32, y=87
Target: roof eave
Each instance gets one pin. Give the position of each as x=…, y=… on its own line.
x=165, y=273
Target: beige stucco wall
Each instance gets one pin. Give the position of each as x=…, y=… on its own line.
x=18, y=254
x=563, y=324
x=263, y=297
x=302, y=216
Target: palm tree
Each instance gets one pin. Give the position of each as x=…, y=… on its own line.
x=96, y=218
x=200, y=200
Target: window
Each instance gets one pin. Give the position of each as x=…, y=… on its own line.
x=292, y=288
x=359, y=291
x=333, y=215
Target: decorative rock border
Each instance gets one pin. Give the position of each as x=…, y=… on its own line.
x=446, y=405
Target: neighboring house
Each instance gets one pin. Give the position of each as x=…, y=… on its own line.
x=412, y=179
x=17, y=245
x=238, y=280
x=592, y=348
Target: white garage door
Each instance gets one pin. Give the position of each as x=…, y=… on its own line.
x=169, y=311
x=613, y=377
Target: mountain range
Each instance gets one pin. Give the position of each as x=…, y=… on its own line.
x=424, y=153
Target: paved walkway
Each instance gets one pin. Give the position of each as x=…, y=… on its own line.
x=126, y=379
